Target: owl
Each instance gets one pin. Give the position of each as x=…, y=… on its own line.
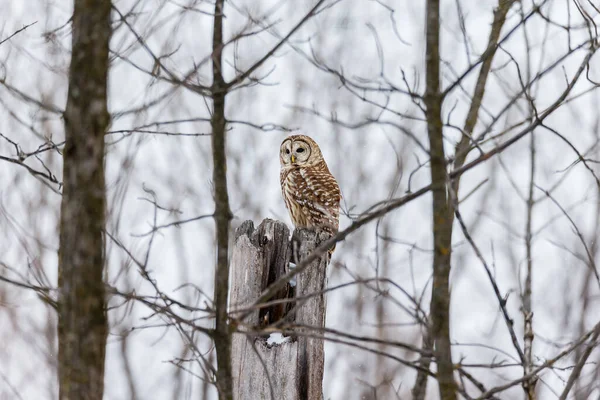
x=312, y=195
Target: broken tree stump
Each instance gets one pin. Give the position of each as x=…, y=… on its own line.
x=292, y=370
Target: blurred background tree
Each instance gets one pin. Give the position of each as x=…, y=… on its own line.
x=496, y=275
x=82, y=320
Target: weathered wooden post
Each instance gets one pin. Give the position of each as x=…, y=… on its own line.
x=292, y=370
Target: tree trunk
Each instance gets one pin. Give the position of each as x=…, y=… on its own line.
x=441, y=209
x=83, y=326
x=292, y=370
x=222, y=216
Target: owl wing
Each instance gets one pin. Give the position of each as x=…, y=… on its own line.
x=321, y=197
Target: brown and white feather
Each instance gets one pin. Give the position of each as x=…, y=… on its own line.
x=311, y=193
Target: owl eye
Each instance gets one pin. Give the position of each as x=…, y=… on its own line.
x=300, y=150
x=287, y=151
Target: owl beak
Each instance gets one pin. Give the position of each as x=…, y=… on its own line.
x=293, y=158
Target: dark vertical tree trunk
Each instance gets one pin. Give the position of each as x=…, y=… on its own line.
x=442, y=211
x=83, y=325
x=222, y=335
x=443, y=204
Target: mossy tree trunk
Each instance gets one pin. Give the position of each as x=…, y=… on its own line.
x=83, y=326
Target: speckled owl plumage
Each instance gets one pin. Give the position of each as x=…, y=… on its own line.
x=311, y=193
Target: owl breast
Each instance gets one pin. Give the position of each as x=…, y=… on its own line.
x=312, y=197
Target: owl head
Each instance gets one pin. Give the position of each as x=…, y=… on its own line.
x=299, y=150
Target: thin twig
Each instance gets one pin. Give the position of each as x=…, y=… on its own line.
x=17, y=32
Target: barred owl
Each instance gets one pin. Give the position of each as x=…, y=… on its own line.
x=312, y=195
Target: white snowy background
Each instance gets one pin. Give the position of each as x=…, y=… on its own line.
x=362, y=38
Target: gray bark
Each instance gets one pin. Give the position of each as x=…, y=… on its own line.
x=292, y=370
x=222, y=216
x=82, y=321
